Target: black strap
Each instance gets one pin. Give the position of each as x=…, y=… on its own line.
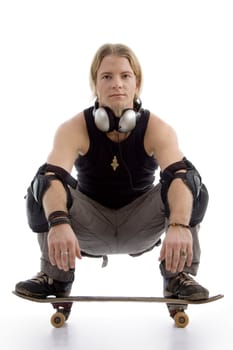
x=59, y=172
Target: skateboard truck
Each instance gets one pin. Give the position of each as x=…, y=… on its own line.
x=62, y=313
x=178, y=314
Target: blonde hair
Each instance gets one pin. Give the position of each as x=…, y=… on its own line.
x=118, y=50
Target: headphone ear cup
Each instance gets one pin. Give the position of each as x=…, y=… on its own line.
x=101, y=119
x=104, y=119
x=128, y=120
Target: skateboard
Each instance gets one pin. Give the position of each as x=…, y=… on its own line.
x=176, y=307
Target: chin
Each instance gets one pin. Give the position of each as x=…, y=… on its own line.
x=118, y=108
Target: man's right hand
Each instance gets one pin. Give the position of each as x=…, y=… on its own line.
x=63, y=247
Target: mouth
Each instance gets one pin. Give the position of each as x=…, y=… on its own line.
x=117, y=95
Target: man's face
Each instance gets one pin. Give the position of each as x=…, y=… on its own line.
x=116, y=84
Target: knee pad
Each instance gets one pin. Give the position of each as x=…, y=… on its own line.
x=39, y=185
x=193, y=181
x=199, y=206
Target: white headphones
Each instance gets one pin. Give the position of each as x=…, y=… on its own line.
x=106, y=121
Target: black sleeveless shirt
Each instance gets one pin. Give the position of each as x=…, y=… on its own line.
x=114, y=174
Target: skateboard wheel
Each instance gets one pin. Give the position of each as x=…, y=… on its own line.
x=58, y=319
x=181, y=319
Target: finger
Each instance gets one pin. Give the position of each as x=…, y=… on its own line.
x=57, y=258
x=182, y=260
x=175, y=261
x=54, y=253
x=78, y=251
x=162, y=254
x=168, y=259
x=65, y=259
x=189, y=259
x=52, y=256
x=74, y=251
x=61, y=256
x=71, y=260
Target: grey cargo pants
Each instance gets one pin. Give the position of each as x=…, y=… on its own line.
x=132, y=229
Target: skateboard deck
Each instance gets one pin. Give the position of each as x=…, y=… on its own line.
x=176, y=307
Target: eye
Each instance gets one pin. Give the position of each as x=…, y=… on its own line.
x=126, y=76
x=106, y=77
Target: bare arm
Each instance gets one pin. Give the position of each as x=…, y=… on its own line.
x=70, y=140
x=162, y=142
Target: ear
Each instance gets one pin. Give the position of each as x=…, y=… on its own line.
x=137, y=90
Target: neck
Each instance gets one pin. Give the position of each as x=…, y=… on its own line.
x=116, y=136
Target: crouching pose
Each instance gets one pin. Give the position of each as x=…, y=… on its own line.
x=116, y=206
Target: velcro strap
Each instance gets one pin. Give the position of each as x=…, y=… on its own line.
x=60, y=172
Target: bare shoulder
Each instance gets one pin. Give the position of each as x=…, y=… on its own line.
x=73, y=125
x=159, y=127
x=73, y=129
x=161, y=141
x=158, y=132
x=70, y=140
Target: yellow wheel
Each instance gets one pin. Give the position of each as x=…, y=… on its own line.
x=58, y=319
x=181, y=319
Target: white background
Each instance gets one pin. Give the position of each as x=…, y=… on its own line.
x=185, y=48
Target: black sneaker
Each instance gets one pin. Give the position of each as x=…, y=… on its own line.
x=42, y=286
x=183, y=286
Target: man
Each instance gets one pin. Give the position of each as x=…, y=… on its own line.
x=116, y=146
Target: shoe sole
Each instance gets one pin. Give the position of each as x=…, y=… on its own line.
x=193, y=297
x=27, y=293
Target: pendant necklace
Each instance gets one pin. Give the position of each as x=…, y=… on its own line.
x=115, y=163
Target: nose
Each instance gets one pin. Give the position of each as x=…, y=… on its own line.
x=117, y=82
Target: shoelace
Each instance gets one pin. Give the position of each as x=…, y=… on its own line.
x=186, y=280
x=42, y=278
